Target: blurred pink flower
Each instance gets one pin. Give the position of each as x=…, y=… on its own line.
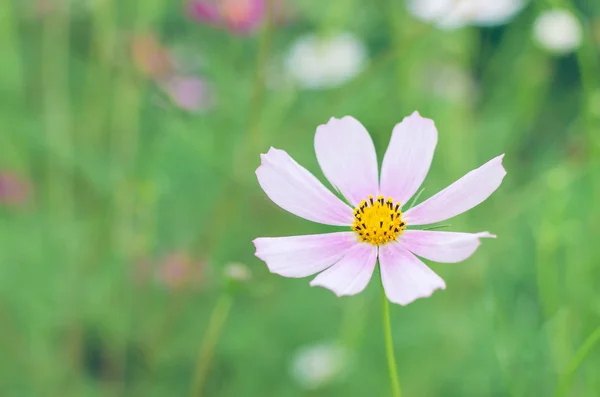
x=189, y=92
x=178, y=270
x=238, y=16
x=14, y=191
x=150, y=57
x=345, y=261
x=43, y=8
x=156, y=62
x=204, y=11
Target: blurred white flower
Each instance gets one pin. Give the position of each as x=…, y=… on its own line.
x=450, y=82
x=325, y=62
x=557, y=31
x=318, y=365
x=452, y=14
x=237, y=272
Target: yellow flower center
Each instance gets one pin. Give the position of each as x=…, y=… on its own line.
x=378, y=221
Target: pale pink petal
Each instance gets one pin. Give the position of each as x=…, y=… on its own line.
x=405, y=278
x=296, y=190
x=408, y=157
x=352, y=273
x=347, y=157
x=301, y=256
x=446, y=247
x=461, y=196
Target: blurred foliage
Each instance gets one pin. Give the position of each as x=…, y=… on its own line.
x=120, y=179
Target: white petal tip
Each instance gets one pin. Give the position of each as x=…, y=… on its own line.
x=260, y=256
x=322, y=128
x=317, y=284
x=416, y=117
x=339, y=294
x=414, y=298
x=277, y=273
x=270, y=152
x=335, y=120
x=265, y=158
x=500, y=160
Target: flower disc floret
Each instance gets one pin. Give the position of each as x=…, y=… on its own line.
x=378, y=221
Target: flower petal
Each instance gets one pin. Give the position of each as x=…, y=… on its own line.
x=461, y=196
x=404, y=277
x=301, y=256
x=352, y=273
x=408, y=157
x=347, y=157
x=296, y=190
x=446, y=247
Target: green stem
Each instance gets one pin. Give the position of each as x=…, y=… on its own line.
x=259, y=76
x=213, y=332
x=590, y=82
x=389, y=345
x=585, y=349
x=56, y=109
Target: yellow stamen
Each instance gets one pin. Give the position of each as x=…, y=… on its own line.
x=378, y=221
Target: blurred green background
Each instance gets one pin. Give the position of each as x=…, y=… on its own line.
x=129, y=136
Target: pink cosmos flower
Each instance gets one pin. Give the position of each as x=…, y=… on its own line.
x=345, y=260
x=239, y=16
